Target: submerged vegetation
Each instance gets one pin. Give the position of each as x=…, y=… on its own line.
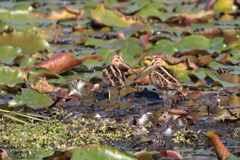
x=53, y=101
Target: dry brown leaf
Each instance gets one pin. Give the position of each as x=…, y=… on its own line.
x=63, y=62
x=177, y=111
x=42, y=86
x=219, y=147
x=79, y=13
x=3, y=153
x=187, y=20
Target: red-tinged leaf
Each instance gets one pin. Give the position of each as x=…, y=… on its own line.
x=3, y=153
x=63, y=62
x=170, y=154
x=142, y=81
x=145, y=38
x=219, y=147
x=143, y=155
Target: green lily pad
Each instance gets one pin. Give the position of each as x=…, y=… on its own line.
x=11, y=76
x=32, y=99
x=153, y=9
x=193, y=42
x=26, y=41
x=164, y=46
x=27, y=62
x=9, y=53
x=100, y=152
x=39, y=155
x=103, y=15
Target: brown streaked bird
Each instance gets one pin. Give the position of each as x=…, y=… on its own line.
x=161, y=77
x=113, y=75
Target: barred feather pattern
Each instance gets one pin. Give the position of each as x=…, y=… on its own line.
x=113, y=77
x=163, y=78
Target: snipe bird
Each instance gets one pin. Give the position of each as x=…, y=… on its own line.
x=161, y=77
x=113, y=75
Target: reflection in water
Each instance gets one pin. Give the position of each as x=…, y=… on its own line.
x=231, y=100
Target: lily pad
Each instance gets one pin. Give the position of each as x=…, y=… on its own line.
x=26, y=41
x=99, y=152
x=11, y=76
x=9, y=53
x=153, y=9
x=104, y=16
x=193, y=42
x=39, y=155
x=32, y=99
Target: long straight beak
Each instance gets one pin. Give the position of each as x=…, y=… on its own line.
x=144, y=71
x=127, y=66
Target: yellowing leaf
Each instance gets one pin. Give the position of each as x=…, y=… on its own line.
x=104, y=16
x=63, y=14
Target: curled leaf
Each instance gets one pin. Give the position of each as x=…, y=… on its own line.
x=219, y=147
x=106, y=16
x=63, y=62
x=41, y=85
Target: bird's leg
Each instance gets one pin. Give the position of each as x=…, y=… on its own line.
x=118, y=102
x=119, y=95
x=109, y=97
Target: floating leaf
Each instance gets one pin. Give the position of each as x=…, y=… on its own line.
x=26, y=41
x=193, y=42
x=99, y=152
x=11, y=76
x=164, y=46
x=9, y=53
x=153, y=9
x=214, y=77
x=104, y=16
x=32, y=99
x=39, y=155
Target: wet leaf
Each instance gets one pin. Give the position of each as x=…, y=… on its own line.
x=105, y=16
x=77, y=88
x=26, y=41
x=32, y=99
x=99, y=152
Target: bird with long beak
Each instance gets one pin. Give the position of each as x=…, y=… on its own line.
x=161, y=77
x=113, y=75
